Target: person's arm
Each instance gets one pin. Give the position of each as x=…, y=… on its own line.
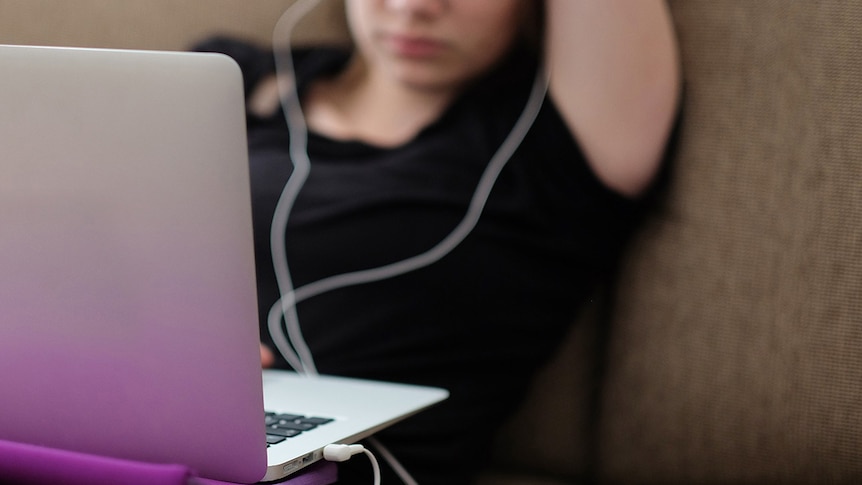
x=615, y=78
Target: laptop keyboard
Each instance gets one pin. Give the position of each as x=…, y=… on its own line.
x=280, y=427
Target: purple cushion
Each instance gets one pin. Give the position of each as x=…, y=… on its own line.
x=321, y=473
x=26, y=464
x=30, y=464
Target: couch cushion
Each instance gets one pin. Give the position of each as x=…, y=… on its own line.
x=736, y=352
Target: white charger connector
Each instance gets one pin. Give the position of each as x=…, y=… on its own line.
x=337, y=452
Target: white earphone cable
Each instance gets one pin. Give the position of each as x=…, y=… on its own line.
x=292, y=345
x=300, y=359
x=290, y=296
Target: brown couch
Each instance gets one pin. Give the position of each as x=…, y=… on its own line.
x=729, y=350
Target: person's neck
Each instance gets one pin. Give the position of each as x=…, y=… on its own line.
x=359, y=104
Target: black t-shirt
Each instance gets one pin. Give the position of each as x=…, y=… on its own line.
x=481, y=320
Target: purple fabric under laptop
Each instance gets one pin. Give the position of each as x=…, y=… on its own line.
x=25, y=464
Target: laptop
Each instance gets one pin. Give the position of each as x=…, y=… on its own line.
x=128, y=319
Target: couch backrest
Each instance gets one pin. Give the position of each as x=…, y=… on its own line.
x=736, y=349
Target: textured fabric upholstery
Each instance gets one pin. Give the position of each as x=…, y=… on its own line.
x=736, y=347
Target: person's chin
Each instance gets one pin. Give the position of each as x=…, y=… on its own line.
x=428, y=79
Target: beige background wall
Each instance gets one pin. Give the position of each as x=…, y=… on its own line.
x=151, y=24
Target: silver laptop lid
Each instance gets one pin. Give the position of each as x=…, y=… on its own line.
x=127, y=294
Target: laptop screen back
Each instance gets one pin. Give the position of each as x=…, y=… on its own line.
x=128, y=319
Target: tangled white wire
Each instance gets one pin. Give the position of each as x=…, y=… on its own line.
x=292, y=345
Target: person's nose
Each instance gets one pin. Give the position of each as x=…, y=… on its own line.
x=417, y=7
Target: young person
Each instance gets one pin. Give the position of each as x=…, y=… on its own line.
x=400, y=131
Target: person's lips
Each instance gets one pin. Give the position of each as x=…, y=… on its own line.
x=413, y=46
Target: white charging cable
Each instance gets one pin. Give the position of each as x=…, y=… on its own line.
x=396, y=465
x=341, y=453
